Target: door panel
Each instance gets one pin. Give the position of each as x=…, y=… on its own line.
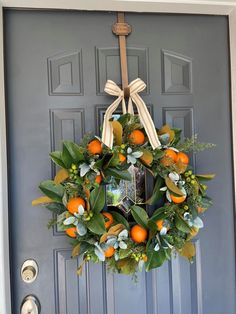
x=56, y=66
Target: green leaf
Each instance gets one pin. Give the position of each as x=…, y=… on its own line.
x=57, y=158
x=52, y=190
x=57, y=208
x=156, y=191
x=155, y=259
x=181, y=224
x=97, y=199
x=124, y=253
x=140, y=216
x=71, y=153
x=113, y=162
x=120, y=219
x=205, y=177
x=160, y=213
x=118, y=174
x=127, y=265
x=206, y=202
x=97, y=224
x=172, y=187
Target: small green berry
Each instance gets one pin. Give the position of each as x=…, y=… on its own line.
x=90, y=214
x=186, y=207
x=188, y=180
x=73, y=166
x=122, y=146
x=190, y=172
x=192, y=176
x=193, y=182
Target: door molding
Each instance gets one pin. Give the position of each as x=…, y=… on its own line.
x=227, y=8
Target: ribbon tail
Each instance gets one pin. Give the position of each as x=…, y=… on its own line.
x=146, y=121
x=107, y=130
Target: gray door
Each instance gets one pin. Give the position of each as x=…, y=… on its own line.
x=56, y=66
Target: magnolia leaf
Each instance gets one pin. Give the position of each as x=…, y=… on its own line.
x=172, y=187
x=118, y=131
x=118, y=174
x=97, y=224
x=76, y=250
x=42, y=200
x=97, y=199
x=52, y=190
x=80, y=269
x=205, y=177
x=140, y=215
x=113, y=231
x=72, y=152
x=120, y=219
x=147, y=157
x=61, y=176
x=155, y=259
x=57, y=158
x=157, y=193
x=188, y=250
x=181, y=224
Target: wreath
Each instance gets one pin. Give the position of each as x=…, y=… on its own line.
x=98, y=196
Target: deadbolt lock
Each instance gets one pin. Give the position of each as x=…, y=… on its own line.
x=29, y=271
x=30, y=305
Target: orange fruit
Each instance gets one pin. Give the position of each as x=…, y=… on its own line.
x=145, y=258
x=138, y=234
x=109, y=252
x=160, y=224
x=98, y=179
x=178, y=199
x=122, y=157
x=169, y=158
x=136, y=137
x=182, y=157
x=74, y=204
x=110, y=220
x=71, y=232
x=200, y=210
x=94, y=147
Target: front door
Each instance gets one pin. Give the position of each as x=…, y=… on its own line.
x=56, y=66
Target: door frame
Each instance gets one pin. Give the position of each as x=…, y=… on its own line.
x=222, y=7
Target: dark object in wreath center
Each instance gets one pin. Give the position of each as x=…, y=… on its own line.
x=127, y=193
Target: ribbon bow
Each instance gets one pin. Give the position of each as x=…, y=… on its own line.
x=135, y=87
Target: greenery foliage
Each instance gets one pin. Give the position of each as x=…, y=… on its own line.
x=178, y=198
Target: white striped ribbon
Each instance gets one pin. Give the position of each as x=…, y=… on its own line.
x=135, y=87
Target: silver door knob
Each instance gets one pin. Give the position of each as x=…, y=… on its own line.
x=30, y=305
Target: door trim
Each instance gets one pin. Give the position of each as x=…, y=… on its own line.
x=193, y=7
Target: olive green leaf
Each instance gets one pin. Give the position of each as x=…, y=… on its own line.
x=97, y=224
x=118, y=174
x=147, y=157
x=71, y=153
x=172, y=187
x=156, y=191
x=52, y=190
x=181, y=224
x=140, y=216
x=154, y=259
x=57, y=158
x=120, y=219
x=97, y=199
x=205, y=177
